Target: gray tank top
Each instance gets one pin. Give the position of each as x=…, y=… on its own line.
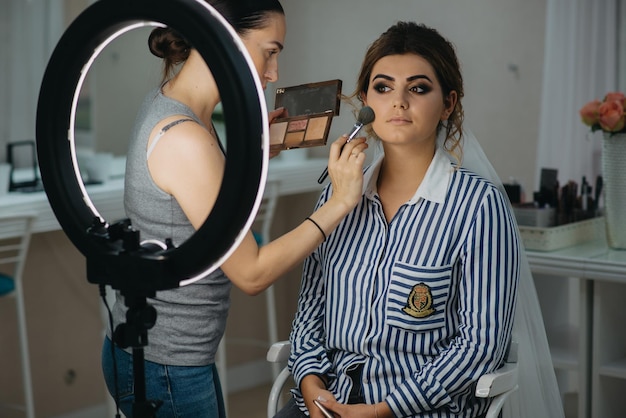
x=190, y=319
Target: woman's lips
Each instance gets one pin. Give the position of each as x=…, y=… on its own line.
x=399, y=121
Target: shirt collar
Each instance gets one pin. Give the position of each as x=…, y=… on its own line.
x=434, y=186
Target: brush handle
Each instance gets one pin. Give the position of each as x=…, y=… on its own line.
x=355, y=130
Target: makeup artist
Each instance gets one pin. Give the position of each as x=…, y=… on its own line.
x=173, y=160
x=411, y=299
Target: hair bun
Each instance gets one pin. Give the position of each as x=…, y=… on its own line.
x=169, y=44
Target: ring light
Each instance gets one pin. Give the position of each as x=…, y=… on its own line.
x=114, y=252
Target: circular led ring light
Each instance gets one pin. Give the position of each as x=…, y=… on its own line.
x=247, y=143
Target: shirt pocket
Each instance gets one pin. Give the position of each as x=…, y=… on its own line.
x=417, y=297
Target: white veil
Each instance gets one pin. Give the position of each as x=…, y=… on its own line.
x=538, y=394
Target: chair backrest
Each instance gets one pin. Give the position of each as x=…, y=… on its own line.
x=266, y=211
x=15, y=233
x=500, y=384
x=261, y=230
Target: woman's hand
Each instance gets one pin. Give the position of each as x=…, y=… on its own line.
x=345, y=168
x=312, y=387
x=359, y=410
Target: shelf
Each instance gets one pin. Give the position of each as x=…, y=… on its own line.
x=615, y=369
x=564, y=348
x=593, y=348
x=564, y=359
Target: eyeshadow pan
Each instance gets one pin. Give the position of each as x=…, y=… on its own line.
x=277, y=132
x=297, y=125
x=316, y=128
x=294, y=139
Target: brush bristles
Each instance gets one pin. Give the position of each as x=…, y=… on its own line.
x=366, y=115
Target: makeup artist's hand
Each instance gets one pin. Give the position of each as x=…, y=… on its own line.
x=345, y=168
x=281, y=112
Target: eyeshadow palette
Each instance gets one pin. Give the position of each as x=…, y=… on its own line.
x=311, y=108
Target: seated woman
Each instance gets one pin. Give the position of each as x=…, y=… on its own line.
x=412, y=297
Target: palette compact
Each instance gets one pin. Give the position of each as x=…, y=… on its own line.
x=311, y=108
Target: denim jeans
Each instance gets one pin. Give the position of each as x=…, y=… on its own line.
x=186, y=392
x=290, y=410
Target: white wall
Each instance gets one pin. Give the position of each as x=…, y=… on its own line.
x=499, y=43
x=328, y=38
x=120, y=78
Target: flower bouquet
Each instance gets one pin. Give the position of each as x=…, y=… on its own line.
x=607, y=115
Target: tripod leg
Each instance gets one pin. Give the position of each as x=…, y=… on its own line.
x=134, y=333
x=142, y=408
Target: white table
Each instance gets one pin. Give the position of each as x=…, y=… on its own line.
x=597, y=348
x=294, y=177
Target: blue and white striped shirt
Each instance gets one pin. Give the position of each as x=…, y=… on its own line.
x=424, y=302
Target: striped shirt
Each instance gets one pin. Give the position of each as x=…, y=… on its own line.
x=425, y=302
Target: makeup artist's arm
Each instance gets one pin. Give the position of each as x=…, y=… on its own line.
x=253, y=269
x=189, y=165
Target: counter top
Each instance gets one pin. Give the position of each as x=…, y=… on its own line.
x=293, y=177
x=589, y=260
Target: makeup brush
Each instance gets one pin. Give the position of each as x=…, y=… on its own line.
x=366, y=116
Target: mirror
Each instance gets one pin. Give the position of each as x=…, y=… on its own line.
x=22, y=157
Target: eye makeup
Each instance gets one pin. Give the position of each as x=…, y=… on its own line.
x=311, y=108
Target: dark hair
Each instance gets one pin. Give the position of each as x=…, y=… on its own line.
x=242, y=15
x=412, y=38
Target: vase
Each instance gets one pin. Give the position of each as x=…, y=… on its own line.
x=614, y=188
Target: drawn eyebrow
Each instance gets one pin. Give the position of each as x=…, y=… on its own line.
x=412, y=78
x=418, y=77
x=383, y=76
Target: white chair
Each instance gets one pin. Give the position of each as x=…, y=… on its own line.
x=498, y=385
x=15, y=233
x=278, y=354
x=263, y=221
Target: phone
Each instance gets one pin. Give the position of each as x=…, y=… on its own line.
x=322, y=408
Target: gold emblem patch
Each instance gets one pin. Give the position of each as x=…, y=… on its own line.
x=420, y=302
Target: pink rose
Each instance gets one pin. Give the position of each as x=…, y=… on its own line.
x=589, y=113
x=611, y=115
x=616, y=95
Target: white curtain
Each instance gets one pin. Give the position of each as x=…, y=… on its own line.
x=621, y=45
x=580, y=65
x=30, y=30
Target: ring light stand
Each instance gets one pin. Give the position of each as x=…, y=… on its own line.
x=114, y=252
